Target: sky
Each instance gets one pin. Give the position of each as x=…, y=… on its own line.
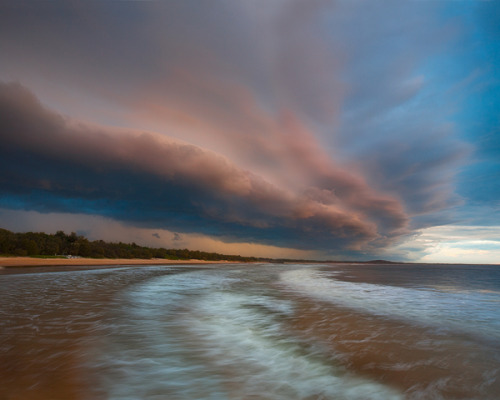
x=343, y=130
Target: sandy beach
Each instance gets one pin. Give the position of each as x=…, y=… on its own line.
x=182, y=331
x=68, y=262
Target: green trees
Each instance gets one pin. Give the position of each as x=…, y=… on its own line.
x=42, y=244
x=31, y=247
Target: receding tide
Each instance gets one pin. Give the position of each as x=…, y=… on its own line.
x=316, y=331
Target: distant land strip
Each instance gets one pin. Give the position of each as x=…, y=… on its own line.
x=63, y=246
x=61, y=249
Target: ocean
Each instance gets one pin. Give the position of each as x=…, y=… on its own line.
x=268, y=331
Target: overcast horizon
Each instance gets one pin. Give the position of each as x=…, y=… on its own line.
x=298, y=129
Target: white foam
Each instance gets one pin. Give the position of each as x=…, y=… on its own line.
x=193, y=336
x=238, y=333
x=148, y=356
x=477, y=313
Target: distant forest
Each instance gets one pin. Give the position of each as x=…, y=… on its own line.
x=43, y=244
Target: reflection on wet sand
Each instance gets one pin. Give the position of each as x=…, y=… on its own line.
x=228, y=332
x=51, y=325
x=418, y=361
x=40, y=368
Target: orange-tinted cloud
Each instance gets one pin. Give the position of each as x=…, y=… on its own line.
x=309, y=119
x=56, y=164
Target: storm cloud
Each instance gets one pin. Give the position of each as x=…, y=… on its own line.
x=339, y=126
x=52, y=163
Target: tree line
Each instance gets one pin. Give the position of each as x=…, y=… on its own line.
x=62, y=244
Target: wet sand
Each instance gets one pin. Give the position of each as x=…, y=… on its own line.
x=49, y=332
x=396, y=353
x=54, y=326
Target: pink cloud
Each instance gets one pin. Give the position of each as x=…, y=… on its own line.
x=230, y=194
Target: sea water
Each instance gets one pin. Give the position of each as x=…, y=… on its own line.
x=339, y=331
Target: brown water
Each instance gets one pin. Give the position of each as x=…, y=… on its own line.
x=250, y=332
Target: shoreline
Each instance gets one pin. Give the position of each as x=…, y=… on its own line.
x=13, y=262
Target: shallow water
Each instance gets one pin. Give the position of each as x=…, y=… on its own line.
x=252, y=332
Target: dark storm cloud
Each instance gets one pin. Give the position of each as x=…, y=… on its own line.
x=264, y=83
x=50, y=163
x=316, y=124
